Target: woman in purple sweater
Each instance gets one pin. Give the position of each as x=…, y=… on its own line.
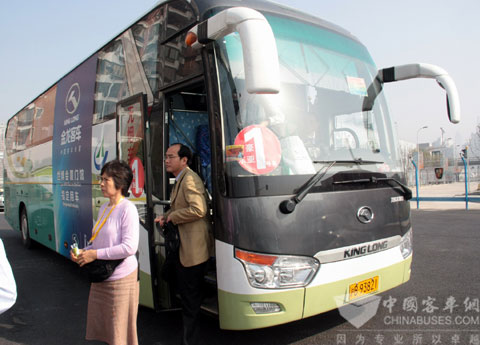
x=113, y=303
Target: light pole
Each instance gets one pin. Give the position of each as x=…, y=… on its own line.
x=465, y=167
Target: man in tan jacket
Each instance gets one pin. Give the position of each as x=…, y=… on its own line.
x=189, y=211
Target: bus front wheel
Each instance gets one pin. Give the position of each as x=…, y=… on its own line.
x=27, y=241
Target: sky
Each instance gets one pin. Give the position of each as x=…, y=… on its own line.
x=43, y=40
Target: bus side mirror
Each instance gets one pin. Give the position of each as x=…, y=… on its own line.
x=421, y=70
x=260, y=56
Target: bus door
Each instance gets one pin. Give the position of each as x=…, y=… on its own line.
x=188, y=124
x=184, y=120
x=157, y=200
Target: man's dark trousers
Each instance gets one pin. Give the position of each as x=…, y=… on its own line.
x=190, y=283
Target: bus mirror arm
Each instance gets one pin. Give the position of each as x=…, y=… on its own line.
x=260, y=57
x=422, y=70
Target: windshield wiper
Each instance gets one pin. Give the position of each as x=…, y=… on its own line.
x=358, y=161
x=288, y=206
x=407, y=192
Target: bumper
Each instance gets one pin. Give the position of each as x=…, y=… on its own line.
x=328, y=290
x=325, y=297
x=236, y=313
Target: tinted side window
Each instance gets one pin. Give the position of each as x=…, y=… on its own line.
x=11, y=136
x=43, y=117
x=33, y=125
x=25, y=128
x=111, y=81
x=157, y=150
x=148, y=33
x=180, y=61
x=179, y=16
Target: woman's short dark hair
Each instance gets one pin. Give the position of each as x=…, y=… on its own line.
x=121, y=173
x=184, y=151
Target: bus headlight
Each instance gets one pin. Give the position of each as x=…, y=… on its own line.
x=406, y=244
x=277, y=271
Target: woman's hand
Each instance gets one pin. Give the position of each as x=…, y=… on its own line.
x=75, y=257
x=84, y=256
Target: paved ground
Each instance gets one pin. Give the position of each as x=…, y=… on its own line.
x=446, y=190
x=51, y=307
x=52, y=296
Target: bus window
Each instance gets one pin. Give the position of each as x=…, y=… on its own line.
x=180, y=61
x=157, y=151
x=25, y=128
x=179, y=16
x=318, y=114
x=10, y=136
x=148, y=33
x=111, y=81
x=43, y=118
x=357, y=130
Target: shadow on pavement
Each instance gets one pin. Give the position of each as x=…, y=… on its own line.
x=52, y=302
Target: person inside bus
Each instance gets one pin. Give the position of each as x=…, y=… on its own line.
x=8, y=288
x=188, y=210
x=263, y=110
x=113, y=303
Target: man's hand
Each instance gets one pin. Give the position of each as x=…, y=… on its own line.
x=161, y=220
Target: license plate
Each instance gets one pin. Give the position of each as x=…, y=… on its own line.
x=363, y=288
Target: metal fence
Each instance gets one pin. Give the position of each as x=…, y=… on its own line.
x=441, y=172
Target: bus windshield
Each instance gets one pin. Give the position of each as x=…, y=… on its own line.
x=319, y=114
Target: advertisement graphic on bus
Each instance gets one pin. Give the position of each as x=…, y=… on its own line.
x=72, y=139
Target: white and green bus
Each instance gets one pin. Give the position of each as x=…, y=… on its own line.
x=290, y=131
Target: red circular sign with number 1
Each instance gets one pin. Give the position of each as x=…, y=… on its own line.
x=138, y=177
x=261, y=149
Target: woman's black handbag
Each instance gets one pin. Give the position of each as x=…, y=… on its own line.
x=172, y=245
x=100, y=270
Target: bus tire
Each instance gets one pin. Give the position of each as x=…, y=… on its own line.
x=27, y=241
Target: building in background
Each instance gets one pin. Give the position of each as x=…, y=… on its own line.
x=442, y=163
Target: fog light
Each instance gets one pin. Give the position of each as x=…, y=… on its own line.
x=265, y=307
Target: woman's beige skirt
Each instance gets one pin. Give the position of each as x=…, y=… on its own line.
x=112, y=311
